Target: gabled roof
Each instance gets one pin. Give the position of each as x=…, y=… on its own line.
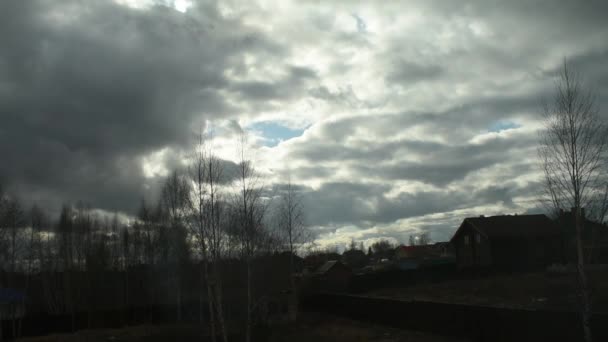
x=328, y=266
x=506, y=226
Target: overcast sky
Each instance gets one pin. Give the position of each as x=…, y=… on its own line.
x=392, y=117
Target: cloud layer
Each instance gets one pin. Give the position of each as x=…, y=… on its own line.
x=413, y=114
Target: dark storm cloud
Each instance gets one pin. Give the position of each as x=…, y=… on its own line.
x=87, y=88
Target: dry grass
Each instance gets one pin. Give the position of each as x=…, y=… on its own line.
x=530, y=290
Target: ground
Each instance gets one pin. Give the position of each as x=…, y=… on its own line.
x=548, y=290
x=326, y=328
x=310, y=327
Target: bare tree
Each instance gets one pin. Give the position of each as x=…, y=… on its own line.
x=14, y=221
x=206, y=172
x=65, y=231
x=382, y=248
x=573, y=156
x=149, y=230
x=39, y=226
x=292, y=229
x=175, y=196
x=424, y=239
x=419, y=240
x=250, y=226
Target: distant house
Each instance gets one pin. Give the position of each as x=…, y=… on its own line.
x=414, y=257
x=354, y=258
x=595, y=237
x=508, y=242
x=333, y=276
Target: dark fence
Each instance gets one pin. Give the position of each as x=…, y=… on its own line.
x=476, y=322
x=402, y=278
x=398, y=278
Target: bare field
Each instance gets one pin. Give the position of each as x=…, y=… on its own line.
x=529, y=290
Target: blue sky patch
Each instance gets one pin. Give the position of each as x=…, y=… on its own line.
x=274, y=132
x=503, y=125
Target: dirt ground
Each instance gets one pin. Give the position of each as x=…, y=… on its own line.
x=530, y=290
x=325, y=328
x=310, y=327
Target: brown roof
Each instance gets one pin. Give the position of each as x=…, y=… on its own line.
x=512, y=226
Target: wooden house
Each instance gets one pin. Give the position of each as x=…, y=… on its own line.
x=508, y=242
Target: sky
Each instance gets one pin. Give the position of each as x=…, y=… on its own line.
x=392, y=118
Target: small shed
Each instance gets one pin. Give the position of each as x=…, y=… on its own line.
x=333, y=276
x=508, y=242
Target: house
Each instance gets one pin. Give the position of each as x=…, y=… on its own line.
x=508, y=242
x=595, y=237
x=354, y=258
x=414, y=257
x=333, y=276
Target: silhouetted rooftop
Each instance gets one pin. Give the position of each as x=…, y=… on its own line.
x=513, y=226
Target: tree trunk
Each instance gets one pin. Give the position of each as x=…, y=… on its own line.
x=178, y=298
x=127, y=296
x=249, y=313
x=13, y=309
x=1, y=332
x=219, y=305
x=582, y=279
x=292, y=303
x=210, y=302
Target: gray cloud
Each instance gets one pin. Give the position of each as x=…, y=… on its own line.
x=368, y=204
x=406, y=72
x=88, y=89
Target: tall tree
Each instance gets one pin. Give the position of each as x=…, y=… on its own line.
x=65, y=232
x=250, y=226
x=175, y=197
x=292, y=229
x=206, y=172
x=382, y=248
x=573, y=156
x=14, y=221
x=39, y=223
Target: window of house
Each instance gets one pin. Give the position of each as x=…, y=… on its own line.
x=477, y=238
x=466, y=239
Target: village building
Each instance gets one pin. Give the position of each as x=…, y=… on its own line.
x=333, y=276
x=419, y=256
x=595, y=237
x=508, y=242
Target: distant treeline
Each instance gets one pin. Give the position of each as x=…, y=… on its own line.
x=208, y=238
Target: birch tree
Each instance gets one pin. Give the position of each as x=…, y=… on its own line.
x=251, y=232
x=175, y=200
x=573, y=157
x=206, y=172
x=292, y=229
